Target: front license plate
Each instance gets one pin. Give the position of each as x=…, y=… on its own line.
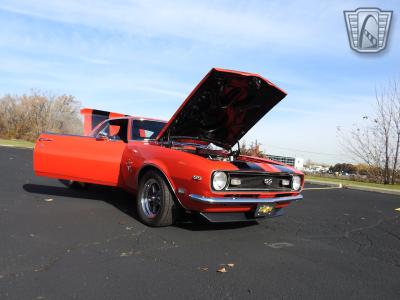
x=263, y=210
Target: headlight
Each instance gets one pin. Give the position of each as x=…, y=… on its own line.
x=219, y=181
x=296, y=183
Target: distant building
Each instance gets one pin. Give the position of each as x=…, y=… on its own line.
x=296, y=162
x=316, y=169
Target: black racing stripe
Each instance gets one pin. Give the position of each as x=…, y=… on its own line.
x=100, y=112
x=242, y=165
x=283, y=169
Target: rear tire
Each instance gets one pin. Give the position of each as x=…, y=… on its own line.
x=155, y=203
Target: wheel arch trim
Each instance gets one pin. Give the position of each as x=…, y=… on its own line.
x=152, y=166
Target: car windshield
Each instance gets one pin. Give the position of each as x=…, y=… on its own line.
x=146, y=129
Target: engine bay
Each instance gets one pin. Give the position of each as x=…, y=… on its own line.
x=206, y=150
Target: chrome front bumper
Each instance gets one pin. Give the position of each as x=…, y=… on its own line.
x=234, y=200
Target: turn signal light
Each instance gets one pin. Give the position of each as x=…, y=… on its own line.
x=285, y=182
x=236, y=181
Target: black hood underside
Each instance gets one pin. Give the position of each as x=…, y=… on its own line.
x=223, y=108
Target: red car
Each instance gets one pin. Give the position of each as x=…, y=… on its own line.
x=190, y=162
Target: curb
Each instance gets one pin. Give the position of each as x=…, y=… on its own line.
x=354, y=187
x=17, y=146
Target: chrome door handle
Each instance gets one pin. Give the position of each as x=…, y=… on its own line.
x=45, y=140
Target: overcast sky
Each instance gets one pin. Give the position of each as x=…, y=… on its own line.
x=144, y=57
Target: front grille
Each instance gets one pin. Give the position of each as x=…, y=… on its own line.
x=259, y=181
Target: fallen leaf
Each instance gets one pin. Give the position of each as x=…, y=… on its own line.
x=397, y=209
x=48, y=199
x=128, y=227
x=222, y=270
x=203, y=268
x=124, y=254
x=279, y=245
x=230, y=265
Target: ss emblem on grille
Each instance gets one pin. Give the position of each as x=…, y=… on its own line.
x=268, y=181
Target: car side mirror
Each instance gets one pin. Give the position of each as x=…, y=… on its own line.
x=101, y=136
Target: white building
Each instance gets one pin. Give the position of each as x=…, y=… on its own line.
x=296, y=162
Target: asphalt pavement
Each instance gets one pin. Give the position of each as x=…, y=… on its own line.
x=58, y=243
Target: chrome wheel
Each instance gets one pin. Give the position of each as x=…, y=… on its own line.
x=155, y=203
x=151, y=198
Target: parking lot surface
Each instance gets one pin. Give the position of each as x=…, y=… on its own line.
x=58, y=243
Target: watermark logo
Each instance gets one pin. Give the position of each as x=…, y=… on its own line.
x=368, y=29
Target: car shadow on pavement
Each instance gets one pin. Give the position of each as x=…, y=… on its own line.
x=125, y=202
x=116, y=197
x=199, y=224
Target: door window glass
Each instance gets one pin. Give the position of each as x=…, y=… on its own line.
x=146, y=129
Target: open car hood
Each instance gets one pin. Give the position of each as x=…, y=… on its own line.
x=222, y=108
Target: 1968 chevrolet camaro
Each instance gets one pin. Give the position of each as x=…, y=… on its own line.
x=190, y=163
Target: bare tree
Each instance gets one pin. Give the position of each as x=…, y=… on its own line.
x=26, y=116
x=383, y=126
x=396, y=125
x=252, y=150
x=377, y=141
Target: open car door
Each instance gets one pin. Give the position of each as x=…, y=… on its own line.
x=94, y=159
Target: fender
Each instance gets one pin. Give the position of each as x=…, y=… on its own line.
x=163, y=170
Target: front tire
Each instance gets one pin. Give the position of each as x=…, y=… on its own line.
x=156, y=204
